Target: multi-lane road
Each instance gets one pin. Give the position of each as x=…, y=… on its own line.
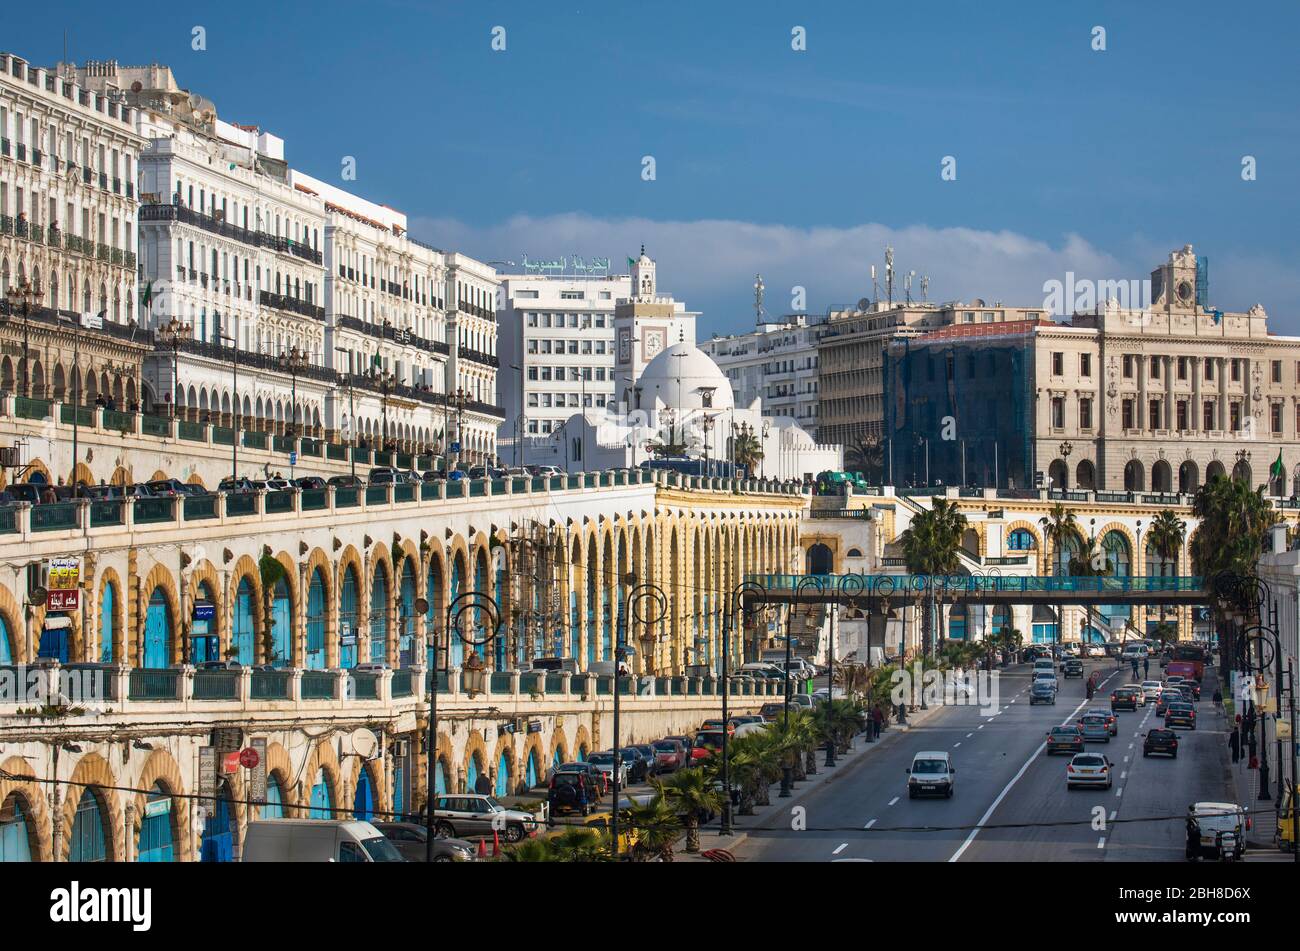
x=1010, y=801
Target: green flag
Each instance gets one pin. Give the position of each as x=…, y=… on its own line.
x=146, y=295
x=1277, y=470
x=631, y=262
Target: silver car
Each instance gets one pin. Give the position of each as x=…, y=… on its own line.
x=470, y=814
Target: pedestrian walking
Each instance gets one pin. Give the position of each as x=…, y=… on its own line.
x=1146, y=667
x=877, y=721
x=1218, y=700
x=1234, y=744
x=483, y=785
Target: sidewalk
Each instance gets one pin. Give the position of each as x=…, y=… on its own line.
x=1242, y=787
x=859, y=748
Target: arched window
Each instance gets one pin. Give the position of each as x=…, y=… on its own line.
x=157, y=630
x=348, y=619
x=274, y=808
x=242, y=631
x=406, y=622
x=379, y=617
x=7, y=650
x=88, y=842
x=363, y=803
x=316, y=622
x=15, y=831
x=282, y=647
x=433, y=620
x=322, y=797
x=1021, y=539
x=156, y=827
x=503, y=775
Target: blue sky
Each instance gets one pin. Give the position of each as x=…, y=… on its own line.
x=802, y=165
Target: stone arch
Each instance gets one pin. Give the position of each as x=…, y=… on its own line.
x=1162, y=476
x=505, y=745
x=474, y=745
x=117, y=636
x=322, y=757
x=33, y=799
x=92, y=771
x=559, y=744
x=162, y=768
x=1058, y=474
x=38, y=467
x=1085, y=474
x=1126, y=533
x=581, y=740
x=1189, y=477
x=81, y=474
x=378, y=782
x=280, y=765
x=533, y=745
x=379, y=560
x=1134, y=476
x=121, y=476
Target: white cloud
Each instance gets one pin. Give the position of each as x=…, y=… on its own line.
x=711, y=263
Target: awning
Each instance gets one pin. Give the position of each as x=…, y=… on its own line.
x=56, y=622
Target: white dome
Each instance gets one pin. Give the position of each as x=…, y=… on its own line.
x=680, y=377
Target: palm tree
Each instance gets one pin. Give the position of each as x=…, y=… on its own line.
x=748, y=761
x=930, y=547
x=867, y=457
x=1230, y=538
x=691, y=792
x=1165, y=538
x=1060, y=528
x=747, y=450
x=530, y=850
x=656, y=828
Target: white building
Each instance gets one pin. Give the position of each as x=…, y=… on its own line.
x=556, y=341
x=776, y=363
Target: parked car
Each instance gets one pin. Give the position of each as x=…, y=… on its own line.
x=571, y=791
x=931, y=774
x=638, y=770
x=278, y=484
x=1160, y=741
x=604, y=761
x=241, y=484
x=175, y=488
x=346, y=482
x=433, y=475
x=599, y=779
x=411, y=841
x=464, y=815
x=1064, y=739
x=705, y=744
x=647, y=752
x=316, y=840
x=685, y=741
x=716, y=724
x=547, y=471
x=1088, y=769
x=384, y=475
x=230, y=664
x=670, y=755
x=309, y=482
x=29, y=492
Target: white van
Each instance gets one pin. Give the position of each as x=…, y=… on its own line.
x=1134, y=652
x=316, y=840
x=931, y=774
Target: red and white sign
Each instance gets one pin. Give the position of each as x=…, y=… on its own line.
x=63, y=600
x=230, y=763
x=248, y=758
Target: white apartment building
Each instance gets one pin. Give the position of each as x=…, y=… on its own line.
x=775, y=363
x=68, y=157
x=474, y=417
x=557, y=353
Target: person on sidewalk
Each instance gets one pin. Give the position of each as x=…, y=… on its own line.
x=877, y=720
x=902, y=713
x=1218, y=700
x=1234, y=744
x=1146, y=667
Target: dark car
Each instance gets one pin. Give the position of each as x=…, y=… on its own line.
x=345, y=482
x=433, y=475
x=647, y=752
x=670, y=755
x=1124, y=698
x=309, y=482
x=1160, y=741
x=770, y=711
x=237, y=485
x=1167, y=696
x=599, y=780
x=1064, y=739
x=1072, y=668
x=1180, y=714
x=570, y=792
x=638, y=769
x=174, y=488
x=411, y=841
x=27, y=492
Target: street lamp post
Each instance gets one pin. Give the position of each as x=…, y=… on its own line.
x=293, y=360
x=234, y=407
x=806, y=582
x=352, y=422
x=172, y=333
x=23, y=294
x=460, y=398
x=481, y=604
x=648, y=605
x=757, y=596
x=519, y=420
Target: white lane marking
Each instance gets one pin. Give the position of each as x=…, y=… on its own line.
x=1124, y=775
x=980, y=727
x=869, y=824
x=957, y=744
x=894, y=800
x=1006, y=789
x=1119, y=792
x=1113, y=814
x=843, y=846
x=969, y=735
x=1130, y=746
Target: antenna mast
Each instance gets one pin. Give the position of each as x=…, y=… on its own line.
x=758, y=299
x=875, y=286
x=889, y=274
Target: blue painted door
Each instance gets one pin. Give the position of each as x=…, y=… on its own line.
x=156, y=828
x=440, y=777
x=105, y=628
x=399, y=787
x=316, y=622
x=157, y=630
x=456, y=648
x=15, y=838
x=243, y=634
x=348, y=620
x=530, y=775
x=503, y=776
x=406, y=621
x=363, y=803
x=274, y=808
x=320, y=798
x=218, y=843
x=281, y=626
x=433, y=621
x=471, y=774
x=379, y=618
x=88, y=843
x=575, y=631
x=6, y=643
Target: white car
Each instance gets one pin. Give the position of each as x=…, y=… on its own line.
x=1141, y=694
x=931, y=774
x=1088, y=769
x=1151, y=690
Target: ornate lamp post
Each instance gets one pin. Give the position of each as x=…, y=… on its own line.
x=806, y=583
x=756, y=594
x=293, y=361
x=171, y=334
x=486, y=619
x=1065, y=449
x=22, y=295
x=648, y=605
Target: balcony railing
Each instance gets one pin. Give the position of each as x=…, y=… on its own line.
x=259, y=239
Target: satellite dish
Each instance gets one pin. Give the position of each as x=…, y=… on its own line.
x=864, y=303
x=977, y=302
x=364, y=742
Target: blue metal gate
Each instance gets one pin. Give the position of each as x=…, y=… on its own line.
x=281, y=626
x=88, y=843
x=156, y=828
x=218, y=842
x=348, y=619
x=363, y=803
x=320, y=798
x=316, y=622
x=15, y=838
x=105, y=628
x=406, y=622
x=242, y=631
x=379, y=617
x=274, y=808
x=503, y=775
